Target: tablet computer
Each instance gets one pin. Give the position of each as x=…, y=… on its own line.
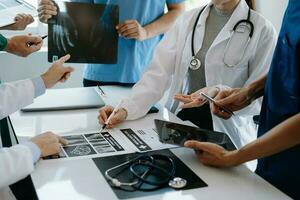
x=66, y=99
x=178, y=134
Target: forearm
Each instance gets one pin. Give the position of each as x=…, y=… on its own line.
x=156, y=79
x=16, y=163
x=16, y=95
x=256, y=89
x=284, y=136
x=164, y=23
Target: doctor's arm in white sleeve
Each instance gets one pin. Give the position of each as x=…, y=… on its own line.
x=152, y=85
x=16, y=95
x=156, y=79
x=18, y=161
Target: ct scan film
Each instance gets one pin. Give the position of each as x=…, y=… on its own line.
x=85, y=31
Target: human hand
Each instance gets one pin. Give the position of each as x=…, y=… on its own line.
x=21, y=22
x=119, y=117
x=195, y=99
x=49, y=143
x=18, y=45
x=213, y=155
x=233, y=99
x=57, y=72
x=46, y=9
x=131, y=29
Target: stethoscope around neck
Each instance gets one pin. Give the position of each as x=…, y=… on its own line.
x=195, y=63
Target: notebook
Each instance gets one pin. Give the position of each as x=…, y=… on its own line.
x=10, y=8
x=66, y=99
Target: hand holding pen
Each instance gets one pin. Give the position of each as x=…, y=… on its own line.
x=110, y=116
x=31, y=43
x=18, y=45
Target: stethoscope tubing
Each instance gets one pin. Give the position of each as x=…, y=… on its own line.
x=151, y=167
x=247, y=21
x=141, y=177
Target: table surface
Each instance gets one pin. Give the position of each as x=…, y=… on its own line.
x=80, y=179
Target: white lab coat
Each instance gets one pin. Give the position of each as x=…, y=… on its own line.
x=15, y=162
x=170, y=63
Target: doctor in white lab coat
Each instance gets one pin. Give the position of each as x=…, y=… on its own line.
x=17, y=162
x=170, y=65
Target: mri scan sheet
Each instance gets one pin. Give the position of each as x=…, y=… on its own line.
x=85, y=31
x=112, y=142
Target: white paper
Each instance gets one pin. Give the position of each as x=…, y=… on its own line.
x=111, y=142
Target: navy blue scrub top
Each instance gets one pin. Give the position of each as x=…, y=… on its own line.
x=282, y=101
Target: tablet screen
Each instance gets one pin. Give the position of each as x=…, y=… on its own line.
x=178, y=134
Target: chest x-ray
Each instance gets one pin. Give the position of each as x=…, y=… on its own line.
x=85, y=31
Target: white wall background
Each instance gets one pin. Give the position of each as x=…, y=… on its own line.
x=272, y=10
x=15, y=68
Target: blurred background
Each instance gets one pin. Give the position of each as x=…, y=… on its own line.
x=15, y=68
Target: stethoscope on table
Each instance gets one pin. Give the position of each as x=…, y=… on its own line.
x=195, y=63
x=143, y=168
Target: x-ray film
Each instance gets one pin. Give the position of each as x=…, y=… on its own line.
x=85, y=31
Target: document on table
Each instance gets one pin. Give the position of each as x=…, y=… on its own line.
x=111, y=142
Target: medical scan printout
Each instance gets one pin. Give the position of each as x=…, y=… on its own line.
x=86, y=31
x=111, y=142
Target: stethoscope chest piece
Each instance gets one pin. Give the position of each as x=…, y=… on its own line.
x=177, y=183
x=195, y=63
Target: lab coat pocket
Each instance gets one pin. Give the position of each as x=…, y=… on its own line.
x=235, y=49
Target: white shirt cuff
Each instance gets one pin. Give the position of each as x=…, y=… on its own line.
x=39, y=86
x=35, y=150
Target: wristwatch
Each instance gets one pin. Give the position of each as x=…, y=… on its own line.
x=3, y=42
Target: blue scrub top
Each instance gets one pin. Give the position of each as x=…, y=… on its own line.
x=133, y=55
x=282, y=101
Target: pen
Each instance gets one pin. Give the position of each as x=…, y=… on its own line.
x=102, y=92
x=213, y=101
x=29, y=44
x=111, y=116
